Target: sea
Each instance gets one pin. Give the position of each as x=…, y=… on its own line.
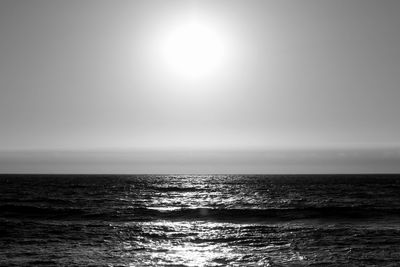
x=199, y=220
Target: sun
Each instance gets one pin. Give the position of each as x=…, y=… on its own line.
x=193, y=49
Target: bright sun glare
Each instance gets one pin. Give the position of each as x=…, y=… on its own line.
x=193, y=49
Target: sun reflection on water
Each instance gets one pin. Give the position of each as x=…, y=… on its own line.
x=203, y=243
x=196, y=255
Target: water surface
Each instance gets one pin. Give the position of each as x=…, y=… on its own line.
x=206, y=220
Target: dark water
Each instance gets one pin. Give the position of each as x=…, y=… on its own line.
x=224, y=220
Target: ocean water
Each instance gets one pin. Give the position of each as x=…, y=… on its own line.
x=199, y=220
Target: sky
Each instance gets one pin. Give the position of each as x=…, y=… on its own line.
x=266, y=86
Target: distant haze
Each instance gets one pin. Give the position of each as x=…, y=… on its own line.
x=311, y=86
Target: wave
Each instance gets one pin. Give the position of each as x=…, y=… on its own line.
x=175, y=189
x=39, y=200
x=10, y=210
x=276, y=214
x=210, y=214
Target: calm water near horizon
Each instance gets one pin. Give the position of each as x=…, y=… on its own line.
x=199, y=220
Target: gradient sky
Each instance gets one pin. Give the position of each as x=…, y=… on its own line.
x=311, y=86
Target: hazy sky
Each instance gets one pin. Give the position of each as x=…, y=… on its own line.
x=84, y=78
